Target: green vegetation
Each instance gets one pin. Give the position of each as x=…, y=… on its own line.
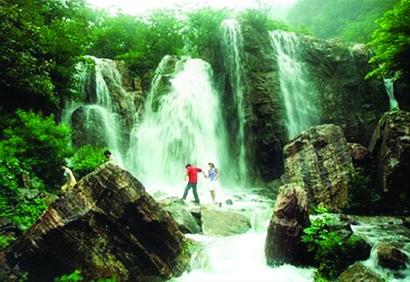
x=391, y=42
x=331, y=248
x=350, y=20
x=76, y=277
x=363, y=198
x=87, y=159
x=5, y=240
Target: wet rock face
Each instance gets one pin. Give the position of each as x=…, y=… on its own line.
x=391, y=257
x=107, y=226
x=183, y=216
x=223, y=222
x=319, y=161
x=390, y=146
x=359, y=273
x=264, y=105
x=285, y=229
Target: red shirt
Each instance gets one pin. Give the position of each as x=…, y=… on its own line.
x=192, y=173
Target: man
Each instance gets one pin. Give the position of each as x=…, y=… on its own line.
x=192, y=175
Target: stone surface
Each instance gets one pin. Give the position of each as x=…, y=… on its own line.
x=186, y=221
x=220, y=222
x=107, y=226
x=290, y=217
x=390, y=146
x=391, y=257
x=318, y=160
x=359, y=154
x=359, y=273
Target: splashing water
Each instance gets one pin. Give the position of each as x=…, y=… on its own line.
x=298, y=94
x=233, y=50
x=179, y=126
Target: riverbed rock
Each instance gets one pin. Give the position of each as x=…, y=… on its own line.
x=290, y=217
x=186, y=221
x=318, y=160
x=107, y=226
x=359, y=273
x=390, y=146
x=216, y=221
x=391, y=257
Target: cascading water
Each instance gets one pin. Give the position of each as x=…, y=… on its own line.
x=233, y=50
x=389, y=85
x=180, y=125
x=97, y=117
x=298, y=94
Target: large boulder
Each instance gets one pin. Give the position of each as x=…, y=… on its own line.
x=391, y=257
x=290, y=217
x=183, y=215
x=318, y=160
x=390, y=146
x=220, y=222
x=106, y=226
x=359, y=273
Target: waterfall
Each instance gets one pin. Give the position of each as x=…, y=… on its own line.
x=297, y=92
x=389, y=85
x=233, y=51
x=96, y=119
x=180, y=125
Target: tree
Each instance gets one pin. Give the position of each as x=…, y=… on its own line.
x=391, y=42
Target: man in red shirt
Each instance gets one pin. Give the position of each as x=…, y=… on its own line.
x=192, y=175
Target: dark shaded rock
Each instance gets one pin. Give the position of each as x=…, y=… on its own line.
x=8, y=228
x=359, y=154
x=406, y=222
x=359, y=273
x=319, y=161
x=401, y=92
x=391, y=257
x=390, y=146
x=107, y=226
x=290, y=217
x=229, y=202
x=223, y=222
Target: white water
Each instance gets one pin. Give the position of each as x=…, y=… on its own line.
x=99, y=114
x=233, y=50
x=241, y=257
x=184, y=129
x=389, y=85
x=384, y=229
x=298, y=95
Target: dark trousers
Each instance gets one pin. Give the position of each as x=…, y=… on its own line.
x=189, y=186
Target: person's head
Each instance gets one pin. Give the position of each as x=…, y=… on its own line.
x=188, y=165
x=211, y=165
x=107, y=154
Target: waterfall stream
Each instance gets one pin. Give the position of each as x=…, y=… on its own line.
x=298, y=94
x=180, y=125
x=389, y=85
x=232, y=43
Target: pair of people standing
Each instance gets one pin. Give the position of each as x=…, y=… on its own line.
x=192, y=176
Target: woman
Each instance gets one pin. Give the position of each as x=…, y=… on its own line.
x=213, y=176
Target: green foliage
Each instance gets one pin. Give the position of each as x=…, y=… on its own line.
x=87, y=159
x=39, y=144
x=5, y=240
x=351, y=20
x=363, y=198
x=72, y=277
x=41, y=41
x=391, y=42
x=261, y=20
x=201, y=30
x=327, y=246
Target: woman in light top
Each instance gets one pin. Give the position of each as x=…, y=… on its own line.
x=213, y=184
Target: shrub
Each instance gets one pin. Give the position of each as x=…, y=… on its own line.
x=72, y=277
x=5, y=240
x=87, y=159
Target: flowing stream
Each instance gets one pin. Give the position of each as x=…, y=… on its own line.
x=298, y=94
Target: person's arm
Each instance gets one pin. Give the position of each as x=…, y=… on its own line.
x=186, y=176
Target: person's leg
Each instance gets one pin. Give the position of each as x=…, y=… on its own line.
x=195, y=193
x=213, y=196
x=187, y=187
